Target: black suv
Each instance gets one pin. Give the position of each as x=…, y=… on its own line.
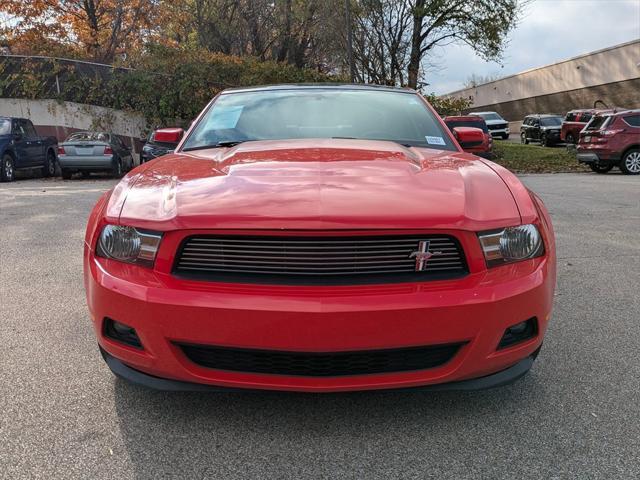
x=543, y=128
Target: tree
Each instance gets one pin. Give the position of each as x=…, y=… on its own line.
x=298, y=32
x=481, y=24
x=97, y=29
x=380, y=41
x=474, y=80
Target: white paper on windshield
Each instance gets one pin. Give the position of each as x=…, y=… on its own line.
x=435, y=140
x=225, y=117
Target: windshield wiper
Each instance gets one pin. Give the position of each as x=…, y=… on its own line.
x=223, y=144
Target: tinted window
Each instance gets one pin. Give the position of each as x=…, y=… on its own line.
x=633, y=120
x=319, y=113
x=598, y=122
x=467, y=123
x=585, y=117
x=551, y=121
x=88, y=137
x=28, y=129
x=571, y=117
x=5, y=126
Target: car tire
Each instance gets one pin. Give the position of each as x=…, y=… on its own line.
x=116, y=169
x=600, y=168
x=49, y=169
x=630, y=163
x=544, y=141
x=524, y=139
x=505, y=136
x=7, y=169
x=570, y=139
x=66, y=174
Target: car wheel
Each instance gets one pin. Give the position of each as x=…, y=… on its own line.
x=505, y=136
x=524, y=139
x=630, y=163
x=7, y=172
x=66, y=174
x=600, y=168
x=49, y=169
x=544, y=141
x=116, y=170
x=570, y=139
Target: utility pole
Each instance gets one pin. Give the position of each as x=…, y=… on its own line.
x=352, y=70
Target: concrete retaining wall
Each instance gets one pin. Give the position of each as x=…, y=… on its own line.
x=60, y=119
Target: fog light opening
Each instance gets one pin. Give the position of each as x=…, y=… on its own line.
x=519, y=332
x=121, y=333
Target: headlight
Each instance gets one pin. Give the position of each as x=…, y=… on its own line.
x=511, y=244
x=128, y=244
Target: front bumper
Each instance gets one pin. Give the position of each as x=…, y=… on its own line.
x=475, y=310
x=499, y=379
x=499, y=132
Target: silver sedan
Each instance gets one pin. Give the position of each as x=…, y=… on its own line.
x=88, y=152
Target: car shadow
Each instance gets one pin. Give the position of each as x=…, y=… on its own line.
x=213, y=435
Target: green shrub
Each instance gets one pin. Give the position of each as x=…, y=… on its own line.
x=167, y=85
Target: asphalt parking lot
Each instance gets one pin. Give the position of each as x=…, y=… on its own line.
x=575, y=415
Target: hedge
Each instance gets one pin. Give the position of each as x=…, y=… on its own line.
x=166, y=85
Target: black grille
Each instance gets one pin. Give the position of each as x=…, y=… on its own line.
x=312, y=260
x=320, y=364
x=497, y=126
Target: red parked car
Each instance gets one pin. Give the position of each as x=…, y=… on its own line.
x=610, y=140
x=482, y=149
x=574, y=121
x=320, y=238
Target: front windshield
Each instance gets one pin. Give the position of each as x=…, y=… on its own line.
x=551, y=121
x=5, y=126
x=319, y=113
x=490, y=116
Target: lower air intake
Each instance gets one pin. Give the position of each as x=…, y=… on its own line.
x=320, y=364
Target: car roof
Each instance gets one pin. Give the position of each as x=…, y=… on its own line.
x=612, y=113
x=323, y=86
x=481, y=113
x=543, y=115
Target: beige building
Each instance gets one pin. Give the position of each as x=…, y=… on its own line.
x=608, y=77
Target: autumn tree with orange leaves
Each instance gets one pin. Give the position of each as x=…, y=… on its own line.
x=98, y=29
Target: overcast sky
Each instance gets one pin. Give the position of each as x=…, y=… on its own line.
x=550, y=30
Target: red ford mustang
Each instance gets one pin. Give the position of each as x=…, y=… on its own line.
x=320, y=238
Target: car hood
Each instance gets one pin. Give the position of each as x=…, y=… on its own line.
x=314, y=184
x=495, y=122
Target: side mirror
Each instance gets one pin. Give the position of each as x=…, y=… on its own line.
x=168, y=135
x=17, y=137
x=468, y=137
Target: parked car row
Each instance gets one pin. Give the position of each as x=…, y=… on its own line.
x=85, y=152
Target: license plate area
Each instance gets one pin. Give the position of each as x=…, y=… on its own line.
x=84, y=150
